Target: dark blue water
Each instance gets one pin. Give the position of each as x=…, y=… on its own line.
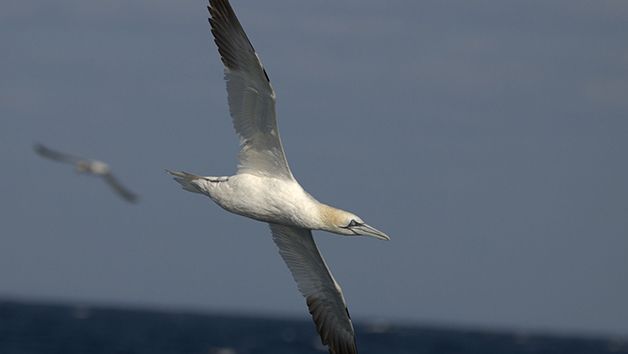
x=27, y=328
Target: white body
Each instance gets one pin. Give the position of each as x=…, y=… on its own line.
x=265, y=199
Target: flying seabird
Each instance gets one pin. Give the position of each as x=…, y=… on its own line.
x=95, y=167
x=264, y=188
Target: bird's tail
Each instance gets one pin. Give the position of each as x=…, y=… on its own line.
x=186, y=179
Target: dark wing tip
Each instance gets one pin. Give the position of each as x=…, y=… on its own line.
x=40, y=149
x=130, y=197
x=230, y=37
x=120, y=189
x=55, y=155
x=331, y=336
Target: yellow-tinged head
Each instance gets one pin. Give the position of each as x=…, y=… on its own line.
x=344, y=223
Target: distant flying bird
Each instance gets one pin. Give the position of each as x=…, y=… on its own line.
x=97, y=168
x=264, y=188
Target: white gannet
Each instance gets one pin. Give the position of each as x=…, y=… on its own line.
x=264, y=188
x=97, y=168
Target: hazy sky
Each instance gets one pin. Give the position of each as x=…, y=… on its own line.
x=489, y=139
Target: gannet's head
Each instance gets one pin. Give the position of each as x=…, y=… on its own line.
x=344, y=223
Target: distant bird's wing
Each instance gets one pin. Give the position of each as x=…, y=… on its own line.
x=86, y=165
x=323, y=295
x=57, y=156
x=251, y=96
x=119, y=188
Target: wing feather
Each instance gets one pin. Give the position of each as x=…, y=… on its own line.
x=119, y=188
x=250, y=95
x=323, y=295
x=57, y=156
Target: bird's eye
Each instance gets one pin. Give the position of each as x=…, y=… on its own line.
x=353, y=223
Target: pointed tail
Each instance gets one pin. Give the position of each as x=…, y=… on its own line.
x=185, y=179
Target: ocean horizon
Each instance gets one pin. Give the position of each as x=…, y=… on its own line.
x=28, y=327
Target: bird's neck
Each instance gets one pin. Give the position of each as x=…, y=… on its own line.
x=329, y=216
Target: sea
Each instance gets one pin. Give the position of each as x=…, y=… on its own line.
x=51, y=328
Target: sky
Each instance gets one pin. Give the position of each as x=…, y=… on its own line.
x=488, y=139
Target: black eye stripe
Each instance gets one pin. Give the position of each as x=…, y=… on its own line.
x=352, y=224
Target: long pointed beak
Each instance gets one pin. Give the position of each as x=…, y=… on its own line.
x=367, y=230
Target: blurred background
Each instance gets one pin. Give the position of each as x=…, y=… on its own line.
x=488, y=139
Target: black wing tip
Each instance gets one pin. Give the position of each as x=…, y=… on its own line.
x=129, y=197
x=47, y=152
x=223, y=20
x=330, y=338
x=39, y=148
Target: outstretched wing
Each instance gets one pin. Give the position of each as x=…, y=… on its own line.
x=323, y=295
x=250, y=95
x=119, y=188
x=57, y=156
